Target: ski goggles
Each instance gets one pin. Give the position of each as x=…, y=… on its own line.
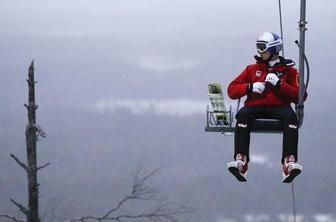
x=262, y=46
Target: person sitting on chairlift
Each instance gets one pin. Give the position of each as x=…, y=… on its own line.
x=271, y=85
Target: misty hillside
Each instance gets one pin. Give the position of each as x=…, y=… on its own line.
x=94, y=157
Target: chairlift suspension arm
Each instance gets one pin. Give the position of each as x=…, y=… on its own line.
x=302, y=88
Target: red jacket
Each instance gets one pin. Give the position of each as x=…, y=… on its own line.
x=272, y=96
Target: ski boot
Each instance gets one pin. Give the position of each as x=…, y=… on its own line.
x=239, y=167
x=290, y=169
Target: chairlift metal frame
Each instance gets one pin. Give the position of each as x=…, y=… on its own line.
x=258, y=125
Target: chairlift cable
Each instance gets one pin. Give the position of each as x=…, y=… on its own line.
x=283, y=54
x=281, y=30
x=293, y=200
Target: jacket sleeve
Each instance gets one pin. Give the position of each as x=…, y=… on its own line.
x=239, y=86
x=290, y=88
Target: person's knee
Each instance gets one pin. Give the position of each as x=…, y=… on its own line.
x=290, y=117
x=243, y=115
x=291, y=121
x=291, y=126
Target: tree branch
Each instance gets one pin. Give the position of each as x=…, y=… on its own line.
x=21, y=207
x=142, y=192
x=117, y=207
x=24, y=166
x=139, y=191
x=11, y=218
x=43, y=166
x=164, y=211
x=169, y=212
x=49, y=213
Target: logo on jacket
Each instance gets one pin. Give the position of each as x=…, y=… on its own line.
x=258, y=73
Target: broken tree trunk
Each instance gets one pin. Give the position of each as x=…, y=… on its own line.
x=32, y=132
x=31, y=138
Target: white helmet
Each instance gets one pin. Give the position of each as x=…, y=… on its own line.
x=269, y=41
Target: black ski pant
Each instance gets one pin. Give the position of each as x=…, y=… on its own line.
x=285, y=114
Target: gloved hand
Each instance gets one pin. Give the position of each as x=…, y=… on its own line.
x=257, y=87
x=273, y=79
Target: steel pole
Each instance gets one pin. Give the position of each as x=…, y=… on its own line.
x=302, y=87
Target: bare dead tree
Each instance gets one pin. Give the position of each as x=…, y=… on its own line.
x=33, y=131
x=163, y=211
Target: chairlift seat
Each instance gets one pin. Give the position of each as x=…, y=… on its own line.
x=267, y=126
x=260, y=125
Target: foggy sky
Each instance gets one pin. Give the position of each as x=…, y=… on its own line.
x=95, y=59
x=161, y=46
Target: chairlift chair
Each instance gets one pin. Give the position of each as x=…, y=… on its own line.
x=267, y=125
